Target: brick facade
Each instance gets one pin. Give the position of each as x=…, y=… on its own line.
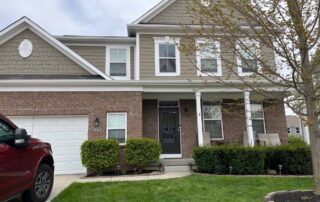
x=275, y=118
x=234, y=122
x=234, y=115
x=93, y=104
x=189, y=131
x=142, y=115
x=150, y=119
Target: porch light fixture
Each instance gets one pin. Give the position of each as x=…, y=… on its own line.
x=96, y=122
x=186, y=111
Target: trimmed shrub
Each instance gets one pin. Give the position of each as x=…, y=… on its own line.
x=99, y=155
x=295, y=160
x=139, y=152
x=257, y=160
x=219, y=160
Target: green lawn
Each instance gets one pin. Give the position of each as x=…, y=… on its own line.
x=192, y=188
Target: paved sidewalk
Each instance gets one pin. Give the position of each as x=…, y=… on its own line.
x=169, y=175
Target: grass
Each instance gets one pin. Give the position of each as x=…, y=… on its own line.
x=192, y=188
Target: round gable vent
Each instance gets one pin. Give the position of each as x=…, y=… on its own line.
x=25, y=48
x=205, y=3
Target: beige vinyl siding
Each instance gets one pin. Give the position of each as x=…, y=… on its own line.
x=178, y=13
x=44, y=60
x=188, y=63
x=96, y=55
x=147, y=61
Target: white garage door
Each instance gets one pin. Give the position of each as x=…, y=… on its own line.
x=64, y=133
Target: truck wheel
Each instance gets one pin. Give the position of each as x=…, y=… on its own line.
x=42, y=187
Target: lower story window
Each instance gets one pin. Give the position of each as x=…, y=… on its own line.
x=212, y=117
x=257, y=115
x=117, y=127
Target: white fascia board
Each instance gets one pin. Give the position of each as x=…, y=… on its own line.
x=69, y=89
x=132, y=82
x=25, y=23
x=113, y=86
x=154, y=11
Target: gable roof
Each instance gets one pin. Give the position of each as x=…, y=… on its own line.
x=154, y=11
x=25, y=23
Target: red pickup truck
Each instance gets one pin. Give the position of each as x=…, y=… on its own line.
x=26, y=164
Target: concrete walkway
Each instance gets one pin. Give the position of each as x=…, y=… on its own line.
x=169, y=175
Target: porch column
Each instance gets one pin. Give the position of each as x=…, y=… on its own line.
x=248, y=118
x=199, y=118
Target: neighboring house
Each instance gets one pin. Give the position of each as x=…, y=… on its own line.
x=294, y=126
x=67, y=89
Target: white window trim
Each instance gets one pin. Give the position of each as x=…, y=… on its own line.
x=163, y=40
x=203, y=120
x=263, y=119
x=126, y=125
x=238, y=47
x=217, y=57
x=128, y=62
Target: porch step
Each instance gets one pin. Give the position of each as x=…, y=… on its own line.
x=171, y=169
x=177, y=162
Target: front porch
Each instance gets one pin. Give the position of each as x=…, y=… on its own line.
x=182, y=121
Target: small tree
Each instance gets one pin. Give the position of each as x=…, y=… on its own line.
x=289, y=28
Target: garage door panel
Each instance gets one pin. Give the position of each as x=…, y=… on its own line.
x=65, y=134
x=61, y=151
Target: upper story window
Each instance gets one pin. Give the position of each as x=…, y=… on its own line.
x=118, y=62
x=208, y=58
x=248, y=57
x=167, y=56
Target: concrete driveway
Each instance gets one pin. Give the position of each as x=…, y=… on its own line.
x=60, y=183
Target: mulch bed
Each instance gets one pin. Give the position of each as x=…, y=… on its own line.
x=293, y=196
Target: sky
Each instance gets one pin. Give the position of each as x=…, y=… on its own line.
x=76, y=17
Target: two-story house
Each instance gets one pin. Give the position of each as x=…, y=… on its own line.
x=67, y=89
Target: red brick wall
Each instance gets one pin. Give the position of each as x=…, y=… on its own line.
x=93, y=104
x=234, y=121
x=275, y=119
x=189, y=132
x=150, y=119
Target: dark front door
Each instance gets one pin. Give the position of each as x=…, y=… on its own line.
x=169, y=128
